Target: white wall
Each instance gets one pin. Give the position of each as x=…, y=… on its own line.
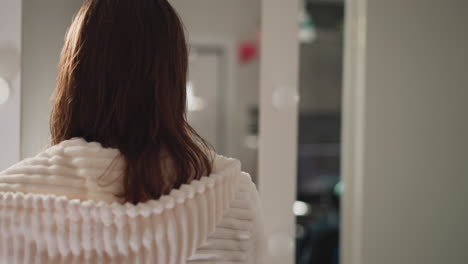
x=10, y=49
x=44, y=26
x=405, y=133
x=235, y=18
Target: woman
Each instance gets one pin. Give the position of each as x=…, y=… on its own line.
x=126, y=180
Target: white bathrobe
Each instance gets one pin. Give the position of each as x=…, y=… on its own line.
x=60, y=207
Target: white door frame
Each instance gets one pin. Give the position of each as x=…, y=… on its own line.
x=404, y=133
x=353, y=135
x=279, y=61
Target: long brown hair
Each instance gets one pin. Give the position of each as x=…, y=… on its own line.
x=122, y=83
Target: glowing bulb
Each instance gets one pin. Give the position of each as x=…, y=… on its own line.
x=4, y=91
x=338, y=189
x=301, y=208
x=285, y=98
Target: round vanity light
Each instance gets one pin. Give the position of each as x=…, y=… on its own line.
x=4, y=91
x=285, y=98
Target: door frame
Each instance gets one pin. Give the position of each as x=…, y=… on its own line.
x=353, y=134
x=279, y=62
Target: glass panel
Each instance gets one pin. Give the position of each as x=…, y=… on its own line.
x=319, y=187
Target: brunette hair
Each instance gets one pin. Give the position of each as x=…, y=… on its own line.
x=122, y=83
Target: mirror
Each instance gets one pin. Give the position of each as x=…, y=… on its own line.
x=223, y=36
x=224, y=74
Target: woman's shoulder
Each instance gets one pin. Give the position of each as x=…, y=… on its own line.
x=73, y=168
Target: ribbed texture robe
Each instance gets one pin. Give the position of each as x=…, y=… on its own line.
x=60, y=207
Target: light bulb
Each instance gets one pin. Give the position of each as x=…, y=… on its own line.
x=301, y=208
x=285, y=98
x=4, y=91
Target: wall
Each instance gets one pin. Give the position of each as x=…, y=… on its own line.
x=235, y=18
x=405, y=164
x=43, y=30
x=10, y=48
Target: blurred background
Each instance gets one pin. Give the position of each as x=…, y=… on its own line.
x=349, y=115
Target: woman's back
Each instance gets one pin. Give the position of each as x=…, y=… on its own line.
x=60, y=207
x=122, y=82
